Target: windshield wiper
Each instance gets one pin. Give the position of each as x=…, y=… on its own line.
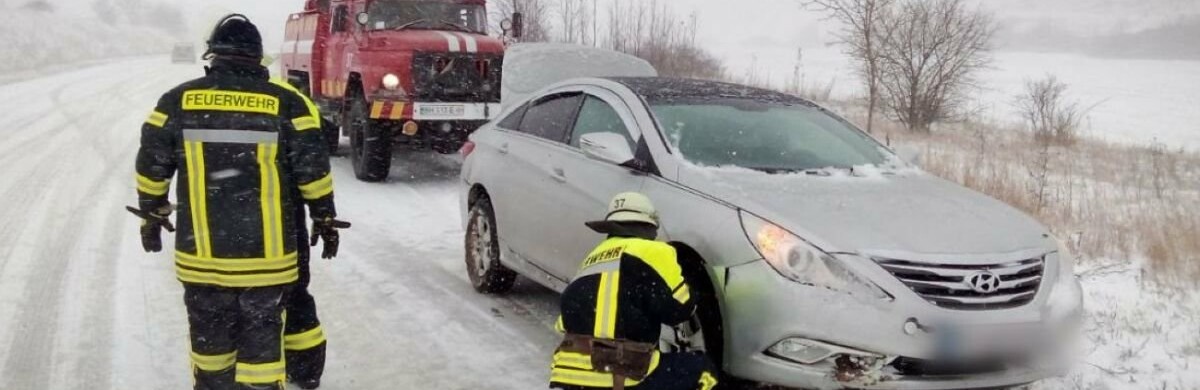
x=409, y=24
x=460, y=28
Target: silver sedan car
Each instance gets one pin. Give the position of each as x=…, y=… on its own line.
x=820, y=258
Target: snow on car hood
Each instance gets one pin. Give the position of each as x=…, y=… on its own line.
x=912, y=212
x=529, y=67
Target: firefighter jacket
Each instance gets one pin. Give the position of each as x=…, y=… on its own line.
x=626, y=289
x=241, y=148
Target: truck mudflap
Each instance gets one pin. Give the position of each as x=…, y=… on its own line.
x=434, y=111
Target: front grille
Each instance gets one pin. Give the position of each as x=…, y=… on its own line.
x=946, y=285
x=456, y=77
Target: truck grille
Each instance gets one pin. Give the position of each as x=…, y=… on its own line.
x=971, y=287
x=456, y=77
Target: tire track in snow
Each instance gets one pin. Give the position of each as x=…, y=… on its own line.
x=42, y=317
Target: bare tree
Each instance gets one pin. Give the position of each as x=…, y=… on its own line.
x=652, y=31
x=860, y=20
x=535, y=12
x=930, y=52
x=1047, y=113
x=578, y=20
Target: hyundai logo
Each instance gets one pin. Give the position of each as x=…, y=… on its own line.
x=983, y=282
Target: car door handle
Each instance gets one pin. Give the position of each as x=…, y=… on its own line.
x=504, y=148
x=559, y=175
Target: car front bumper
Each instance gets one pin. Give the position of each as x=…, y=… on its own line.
x=762, y=308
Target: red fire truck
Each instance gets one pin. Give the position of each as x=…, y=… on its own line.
x=419, y=73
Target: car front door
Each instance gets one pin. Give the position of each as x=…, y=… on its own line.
x=525, y=211
x=583, y=185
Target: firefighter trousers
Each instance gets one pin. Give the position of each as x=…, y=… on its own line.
x=675, y=371
x=303, y=340
x=236, y=336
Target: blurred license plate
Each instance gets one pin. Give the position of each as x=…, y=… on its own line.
x=442, y=110
x=999, y=339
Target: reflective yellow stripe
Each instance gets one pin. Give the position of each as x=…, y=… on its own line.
x=397, y=111
x=707, y=381
x=305, y=123
x=376, y=110
x=317, y=188
x=151, y=186
x=214, y=362
x=197, y=194
x=682, y=294
x=270, y=201
x=572, y=360
x=260, y=373
x=235, y=264
x=238, y=280
x=558, y=325
x=304, y=340
x=587, y=377
x=157, y=119
x=605, y=325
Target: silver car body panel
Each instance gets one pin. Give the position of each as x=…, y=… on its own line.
x=910, y=217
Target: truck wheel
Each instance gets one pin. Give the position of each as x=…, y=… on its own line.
x=487, y=275
x=332, y=135
x=370, y=144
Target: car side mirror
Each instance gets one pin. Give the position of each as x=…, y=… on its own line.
x=608, y=147
x=362, y=18
x=909, y=154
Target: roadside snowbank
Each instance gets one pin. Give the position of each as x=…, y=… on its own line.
x=37, y=39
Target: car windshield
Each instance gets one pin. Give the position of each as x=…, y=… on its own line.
x=766, y=136
x=428, y=15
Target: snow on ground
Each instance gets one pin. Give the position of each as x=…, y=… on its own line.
x=37, y=40
x=1135, y=101
x=81, y=307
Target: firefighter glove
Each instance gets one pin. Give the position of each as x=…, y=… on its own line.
x=153, y=222
x=327, y=231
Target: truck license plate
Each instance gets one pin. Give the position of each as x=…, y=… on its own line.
x=443, y=110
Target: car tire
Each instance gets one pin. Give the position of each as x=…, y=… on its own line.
x=482, y=251
x=370, y=144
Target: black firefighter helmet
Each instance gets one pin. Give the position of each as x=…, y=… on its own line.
x=235, y=36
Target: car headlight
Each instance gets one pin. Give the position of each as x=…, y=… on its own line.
x=390, y=81
x=799, y=261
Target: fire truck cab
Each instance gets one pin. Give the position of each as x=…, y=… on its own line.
x=417, y=73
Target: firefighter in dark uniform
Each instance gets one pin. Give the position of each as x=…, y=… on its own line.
x=303, y=339
x=242, y=147
x=614, y=309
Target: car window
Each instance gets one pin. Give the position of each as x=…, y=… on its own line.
x=763, y=135
x=596, y=116
x=513, y=120
x=551, y=117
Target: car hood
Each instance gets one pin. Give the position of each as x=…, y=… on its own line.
x=908, y=213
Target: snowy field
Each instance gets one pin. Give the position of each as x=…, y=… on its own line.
x=1135, y=101
x=82, y=307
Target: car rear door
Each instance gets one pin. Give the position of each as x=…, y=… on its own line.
x=524, y=210
x=583, y=186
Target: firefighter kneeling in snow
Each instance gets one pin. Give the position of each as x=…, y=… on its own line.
x=614, y=309
x=244, y=147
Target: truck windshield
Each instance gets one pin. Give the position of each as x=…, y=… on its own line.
x=764, y=136
x=427, y=15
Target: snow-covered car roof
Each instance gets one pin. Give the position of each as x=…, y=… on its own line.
x=529, y=67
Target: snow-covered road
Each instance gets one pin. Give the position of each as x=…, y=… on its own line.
x=82, y=307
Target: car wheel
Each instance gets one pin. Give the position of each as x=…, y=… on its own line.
x=370, y=144
x=487, y=275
